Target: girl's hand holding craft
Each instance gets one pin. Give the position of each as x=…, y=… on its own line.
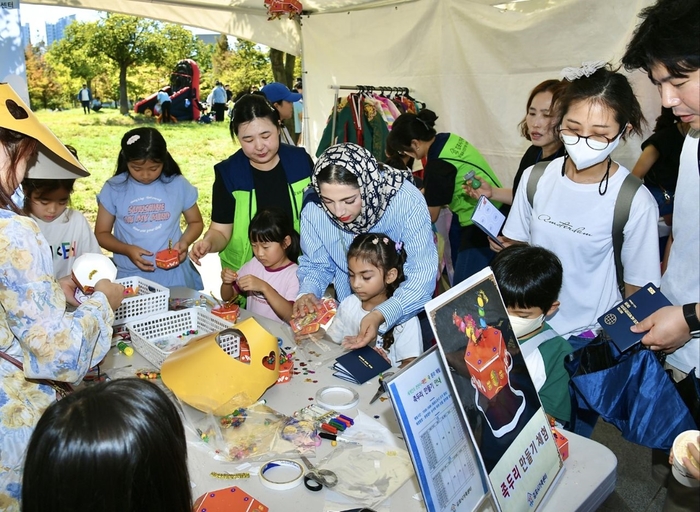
x=228, y=276
x=181, y=248
x=252, y=284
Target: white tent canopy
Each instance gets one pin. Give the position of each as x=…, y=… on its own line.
x=472, y=63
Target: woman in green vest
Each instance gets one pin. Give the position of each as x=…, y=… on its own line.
x=449, y=158
x=263, y=173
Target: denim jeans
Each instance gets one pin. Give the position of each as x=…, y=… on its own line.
x=470, y=261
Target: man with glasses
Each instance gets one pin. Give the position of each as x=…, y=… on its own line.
x=667, y=46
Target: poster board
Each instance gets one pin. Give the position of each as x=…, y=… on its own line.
x=497, y=397
x=450, y=474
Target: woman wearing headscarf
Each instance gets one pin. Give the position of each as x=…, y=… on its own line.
x=354, y=194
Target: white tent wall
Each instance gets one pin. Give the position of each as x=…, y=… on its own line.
x=471, y=63
x=246, y=19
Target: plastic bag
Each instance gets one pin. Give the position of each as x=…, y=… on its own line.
x=368, y=477
x=314, y=324
x=310, y=334
x=257, y=433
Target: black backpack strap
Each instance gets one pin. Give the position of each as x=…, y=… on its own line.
x=535, y=175
x=623, y=204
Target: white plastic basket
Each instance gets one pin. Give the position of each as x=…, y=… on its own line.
x=167, y=327
x=152, y=298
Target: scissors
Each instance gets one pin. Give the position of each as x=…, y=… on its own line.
x=315, y=479
x=381, y=390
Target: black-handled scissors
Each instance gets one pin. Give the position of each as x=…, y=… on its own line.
x=381, y=390
x=315, y=479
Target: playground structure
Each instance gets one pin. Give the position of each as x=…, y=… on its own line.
x=183, y=91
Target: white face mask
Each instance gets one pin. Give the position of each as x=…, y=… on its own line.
x=582, y=155
x=524, y=326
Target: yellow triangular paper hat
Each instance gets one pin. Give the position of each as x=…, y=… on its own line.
x=204, y=376
x=54, y=161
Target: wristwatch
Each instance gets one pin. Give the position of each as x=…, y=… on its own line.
x=691, y=317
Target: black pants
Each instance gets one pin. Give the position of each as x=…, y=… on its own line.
x=86, y=107
x=165, y=112
x=218, y=109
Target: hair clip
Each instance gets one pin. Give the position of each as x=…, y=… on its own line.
x=399, y=246
x=586, y=69
x=424, y=123
x=132, y=139
x=375, y=241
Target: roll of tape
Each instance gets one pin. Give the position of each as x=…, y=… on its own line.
x=344, y=398
x=284, y=482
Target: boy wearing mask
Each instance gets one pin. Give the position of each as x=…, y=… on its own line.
x=530, y=279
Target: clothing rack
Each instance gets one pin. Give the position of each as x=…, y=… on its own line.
x=361, y=88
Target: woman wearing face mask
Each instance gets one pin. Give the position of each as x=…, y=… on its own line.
x=573, y=205
x=356, y=195
x=539, y=128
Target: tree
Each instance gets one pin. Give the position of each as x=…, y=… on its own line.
x=248, y=65
x=128, y=40
x=72, y=52
x=43, y=87
x=282, y=66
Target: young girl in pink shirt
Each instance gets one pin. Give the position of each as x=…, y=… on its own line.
x=269, y=279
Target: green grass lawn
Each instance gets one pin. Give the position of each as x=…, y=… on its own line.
x=195, y=147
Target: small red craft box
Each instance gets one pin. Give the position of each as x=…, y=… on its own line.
x=285, y=372
x=167, y=259
x=562, y=443
x=231, y=499
x=229, y=312
x=486, y=362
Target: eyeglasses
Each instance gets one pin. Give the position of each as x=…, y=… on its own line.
x=595, y=142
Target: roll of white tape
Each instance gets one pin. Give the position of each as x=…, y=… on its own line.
x=337, y=398
x=281, y=474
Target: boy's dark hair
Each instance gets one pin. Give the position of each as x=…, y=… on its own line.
x=249, y=108
x=274, y=225
x=669, y=34
x=528, y=276
x=605, y=87
x=146, y=144
x=115, y=446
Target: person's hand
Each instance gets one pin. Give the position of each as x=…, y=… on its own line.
x=667, y=328
x=181, y=248
x=504, y=240
x=136, y=255
x=304, y=305
x=228, y=275
x=252, y=284
x=475, y=193
x=695, y=453
x=68, y=286
x=693, y=469
x=113, y=291
x=369, y=328
x=199, y=250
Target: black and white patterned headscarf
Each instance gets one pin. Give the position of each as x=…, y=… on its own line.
x=377, y=185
